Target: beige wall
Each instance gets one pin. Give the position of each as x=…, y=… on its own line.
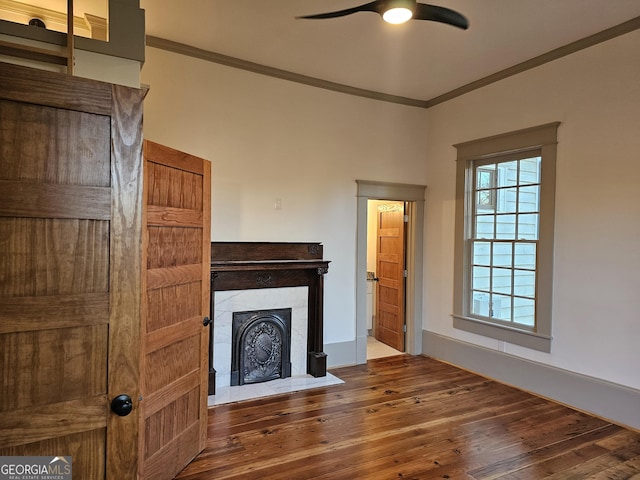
x=595, y=93
x=270, y=138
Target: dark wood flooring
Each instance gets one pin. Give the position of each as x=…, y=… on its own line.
x=407, y=417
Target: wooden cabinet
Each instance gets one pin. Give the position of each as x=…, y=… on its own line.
x=70, y=235
x=77, y=285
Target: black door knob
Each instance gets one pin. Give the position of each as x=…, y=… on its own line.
x=122, y=405
x=207, y=321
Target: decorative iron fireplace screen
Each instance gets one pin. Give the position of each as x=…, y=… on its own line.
x=251, y=265
x=261, y=349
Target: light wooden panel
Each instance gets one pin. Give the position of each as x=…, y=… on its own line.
x=52, y=420
x=168, y=276
x=178, y=451
x=172, y=362
x=50, y=366
x=170, y=305
x=170, y=157
x=172, y=420
x=125, y=278
x=178, y=217
x=60, y=91
x=54, y=311
x=59, y=201
x=174, y=246
x=37, y=135
x=49, y=256
x=176, y=256
x=164, y=337
x=171, y=187
x=86, y=449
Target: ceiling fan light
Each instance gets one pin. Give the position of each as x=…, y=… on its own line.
x=397, y=15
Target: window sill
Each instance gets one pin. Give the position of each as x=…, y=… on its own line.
x=533, y=340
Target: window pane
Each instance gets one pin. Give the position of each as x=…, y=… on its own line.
x=506, y=227
x=528, y=226
x=481, y=253
x=480, y=304
x=508, y=174
x=501, y=281
x=530, y=170
x=524, y=283
x=486, y=176
x=507, y=200
x=484, y=226
x=485, y=200
x=481, y=279
x=525, y=255
x=529, y=199
x=501, y=307
x=502, y=254
x=524, y=311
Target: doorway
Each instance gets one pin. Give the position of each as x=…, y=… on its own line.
x=413, y=195
x=386, y=247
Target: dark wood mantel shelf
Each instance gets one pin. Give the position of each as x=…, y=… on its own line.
x=267, y=265
x=252, y=265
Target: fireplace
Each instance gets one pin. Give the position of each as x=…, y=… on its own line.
x=250, y=277
x=261, y=346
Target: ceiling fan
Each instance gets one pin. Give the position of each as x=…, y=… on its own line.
x=400, y=11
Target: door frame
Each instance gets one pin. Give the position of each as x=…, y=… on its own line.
x=414, y=194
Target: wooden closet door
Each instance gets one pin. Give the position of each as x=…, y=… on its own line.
x=390, y=258
x=177, y=253
x=70, y=234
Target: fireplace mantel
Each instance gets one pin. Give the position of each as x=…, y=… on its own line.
x=252, y=265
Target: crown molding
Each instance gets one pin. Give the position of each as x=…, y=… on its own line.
x=188, y=50
x=586, y=42
x=603, y=36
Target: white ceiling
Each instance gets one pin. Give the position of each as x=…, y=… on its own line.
x=419, y=60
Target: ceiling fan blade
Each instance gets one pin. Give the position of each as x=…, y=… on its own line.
x=440, y=14
x=367, y=7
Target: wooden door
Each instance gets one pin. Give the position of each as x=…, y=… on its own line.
x=390, y=260
x=177, y=252
x=70, y=234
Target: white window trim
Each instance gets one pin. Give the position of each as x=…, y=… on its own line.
x=543, y=137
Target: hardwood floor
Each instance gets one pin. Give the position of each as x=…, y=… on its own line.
x=408, y=417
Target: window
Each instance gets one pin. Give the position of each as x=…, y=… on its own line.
x=504, y=236
x=485, y=187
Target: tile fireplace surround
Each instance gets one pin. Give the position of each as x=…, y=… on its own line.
x=249, y=276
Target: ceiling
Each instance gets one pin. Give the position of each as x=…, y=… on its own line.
x=418, y=60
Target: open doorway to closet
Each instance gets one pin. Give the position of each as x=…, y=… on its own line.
x=386, y=233
x=411, y=197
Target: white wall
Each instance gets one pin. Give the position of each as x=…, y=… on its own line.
x=595, y=93
x=269, y=138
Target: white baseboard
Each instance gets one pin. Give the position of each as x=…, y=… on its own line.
x=611, y=401
x=341, y=354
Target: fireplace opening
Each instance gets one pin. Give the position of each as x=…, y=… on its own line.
x=261, y=346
